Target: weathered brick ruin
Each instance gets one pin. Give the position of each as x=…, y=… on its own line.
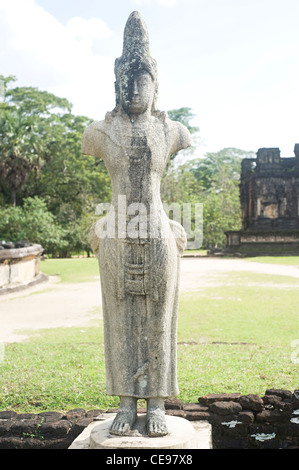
x=269, y=196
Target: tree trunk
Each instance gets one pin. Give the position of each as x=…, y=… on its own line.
x=13, y=197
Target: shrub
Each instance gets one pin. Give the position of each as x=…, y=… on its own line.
x=31, y=222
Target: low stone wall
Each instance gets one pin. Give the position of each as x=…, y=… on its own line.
x=49, y=430
x=262, y=242
x=238, y=422
x=20, y=267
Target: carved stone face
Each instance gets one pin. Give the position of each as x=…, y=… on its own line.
x=137, y=93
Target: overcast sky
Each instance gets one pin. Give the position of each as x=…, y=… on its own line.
x=235, y=63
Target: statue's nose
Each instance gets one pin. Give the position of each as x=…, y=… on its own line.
x=135, y=88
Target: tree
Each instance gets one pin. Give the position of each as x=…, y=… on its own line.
x=48, y=162
x=218, y=177
x=72, y=184
x=20, y=150
x=32, y=222
x=219, y=166
x=214, y=182
x=26, y=124
x=178, y=183
x=34, y=102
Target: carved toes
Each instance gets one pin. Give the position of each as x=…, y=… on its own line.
x=122, y=423
x=156, y=423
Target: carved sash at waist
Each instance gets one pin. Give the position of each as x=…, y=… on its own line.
x=137, y=266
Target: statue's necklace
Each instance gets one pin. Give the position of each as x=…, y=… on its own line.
x=136, y=151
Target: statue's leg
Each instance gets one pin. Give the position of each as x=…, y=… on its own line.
x=156, y=423
x=125, y=417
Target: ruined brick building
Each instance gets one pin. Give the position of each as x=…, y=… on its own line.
x=269, y=196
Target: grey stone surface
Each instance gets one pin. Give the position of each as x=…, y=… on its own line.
x=182, y=435
x=138, y=247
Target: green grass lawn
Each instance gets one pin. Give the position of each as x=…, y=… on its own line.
x=285, y=260
x=196, y=252
x=234, y=337
x=239, y=336
x=72, y=269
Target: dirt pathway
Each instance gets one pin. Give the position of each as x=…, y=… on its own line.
x=53, y=304
x=49, y=305
x=197, y=272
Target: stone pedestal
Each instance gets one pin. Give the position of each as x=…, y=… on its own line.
x=182, y=434
x=20, y=268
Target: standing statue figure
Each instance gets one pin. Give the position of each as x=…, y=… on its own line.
x=139, y=270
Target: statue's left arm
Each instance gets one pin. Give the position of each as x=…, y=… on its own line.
x=179, y=137
x=93, y=143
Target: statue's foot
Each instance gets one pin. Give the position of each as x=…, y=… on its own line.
x=123, y=422
x=125, y=418
x=156, y=422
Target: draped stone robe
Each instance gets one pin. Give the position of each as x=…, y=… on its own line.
x=139, y=273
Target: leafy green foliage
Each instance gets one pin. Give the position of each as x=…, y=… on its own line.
x=218, y=177
x=33, y=222
x=214, y=182
x=27, y=132
x=21, y=149
x=33, y=102
x=40, y=155
x=183, y=115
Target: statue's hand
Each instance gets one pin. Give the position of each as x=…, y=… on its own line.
x=96, y=235
x=179, y=235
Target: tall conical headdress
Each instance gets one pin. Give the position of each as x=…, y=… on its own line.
x=136, y=40
x=135, y=55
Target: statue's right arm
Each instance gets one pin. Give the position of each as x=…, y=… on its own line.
x=93, y=140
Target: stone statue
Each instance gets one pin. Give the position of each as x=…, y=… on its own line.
x=139, y=270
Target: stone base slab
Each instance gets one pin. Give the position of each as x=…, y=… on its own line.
x=182, y=434
x=17, y=288
x=20, y=268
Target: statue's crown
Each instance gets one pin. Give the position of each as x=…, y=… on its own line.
x=136, y=40
x=135, y=54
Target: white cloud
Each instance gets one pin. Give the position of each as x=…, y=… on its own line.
x=41, y=49
x=88, y=30
x=167, y=3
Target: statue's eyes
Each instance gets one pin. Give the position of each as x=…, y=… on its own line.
x=143, y=80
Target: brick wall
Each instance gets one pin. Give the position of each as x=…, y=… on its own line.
x=247, y=421
x=49, y=430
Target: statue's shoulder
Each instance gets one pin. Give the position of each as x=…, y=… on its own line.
x=94, y=137
x=179, y=135
x=95, y=127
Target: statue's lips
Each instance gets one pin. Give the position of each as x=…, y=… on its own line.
x=135, y=103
